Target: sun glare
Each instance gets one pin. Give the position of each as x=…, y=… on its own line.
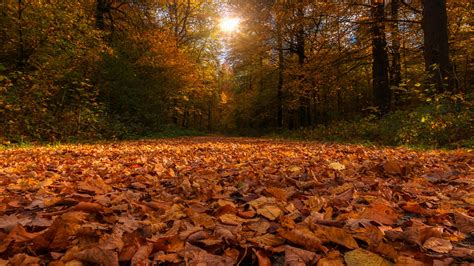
x=229, y=24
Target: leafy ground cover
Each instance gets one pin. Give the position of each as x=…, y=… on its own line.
x=225, y=201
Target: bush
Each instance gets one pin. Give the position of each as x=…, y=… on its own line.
x=443, y=125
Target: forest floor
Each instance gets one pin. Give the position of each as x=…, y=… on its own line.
x=225, y=201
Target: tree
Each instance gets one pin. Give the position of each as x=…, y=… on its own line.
x=380, y=67
x=436, y=45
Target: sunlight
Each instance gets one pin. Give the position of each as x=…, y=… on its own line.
x=229, y=24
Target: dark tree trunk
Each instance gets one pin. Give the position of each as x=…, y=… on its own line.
x=281, y=72
x=209, y=115
x=436, y=44
x=300, y=52
x=380, y=67
x=102, y=7
x=21, y=42
x=396, y=68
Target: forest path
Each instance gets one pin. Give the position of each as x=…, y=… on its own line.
x=228, y=200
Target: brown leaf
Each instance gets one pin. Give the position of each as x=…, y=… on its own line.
x=464, y=222
x=299, y=257
x=303, y=237
x=142, y=255
x=460, y=252
x=278, y=193
x=439, y=245
x=23, y=260
x=17, y=235
x=198, y=256
x=232, y=219
x=95, y=184
x=418, y=233
x=99, y=256
x=271, y=212
x=267, y=240
x=406, y=260
x=340, y=237
x=8, y=222
x=201, y=219
x=362, y=257
x=393, y=167
x=262, y=258
x=333, y=259
x=174, y=258
x=380, y=212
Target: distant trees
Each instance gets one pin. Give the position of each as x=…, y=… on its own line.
x=80, y=68
x=119, y=68
x=320, y=61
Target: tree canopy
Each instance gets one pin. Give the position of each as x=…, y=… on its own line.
x=107, y=68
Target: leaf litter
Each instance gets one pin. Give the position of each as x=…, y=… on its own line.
x=229, y=201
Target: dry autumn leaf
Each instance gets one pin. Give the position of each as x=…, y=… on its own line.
x=362, y=257
x=340, y=237
x=181, y=201
x=439, y=245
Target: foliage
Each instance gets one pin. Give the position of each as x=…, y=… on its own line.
x=46, y=92
x=186, y=201
x=442, y=125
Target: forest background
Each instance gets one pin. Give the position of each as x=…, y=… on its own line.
x=394, y=72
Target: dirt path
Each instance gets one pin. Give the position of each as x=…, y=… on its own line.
x=225, y=201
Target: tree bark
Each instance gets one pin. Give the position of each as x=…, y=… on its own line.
x=101, y=9
x=303, y=109
x=396, y=68
x=380, y=67
x=436, y=44
x=281, y=73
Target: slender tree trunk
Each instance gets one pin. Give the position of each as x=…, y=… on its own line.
x=436, y=44
x=209, y=115
x=100, y=10
x=281, y=73
x=300, y=51
x=21, y=41
x=380, y=67
x=396, y=69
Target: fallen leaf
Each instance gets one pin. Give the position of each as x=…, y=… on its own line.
x=418, y=233
x=439, y=245
x=464, y=222
x=337, y=166
x=271, y=212
x=267, y=240
x=393, y=167
x=460, y=252
x=362, y=257
x=198, y=256
x=99, y=256
x=17, y=235
x=262, y=258
x=303, y=237
x=332, y=259
x=299, y=257
x=23, y=260
x=380, y=212
x=8, y=222
x=142, y=255
x=340, y=237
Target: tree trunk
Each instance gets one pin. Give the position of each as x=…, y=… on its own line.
x=436, y=44
x=21, y=42
x=380, y=67
x=101, y=9
x=281, y=72
x=300, y=52
x=396, y=68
